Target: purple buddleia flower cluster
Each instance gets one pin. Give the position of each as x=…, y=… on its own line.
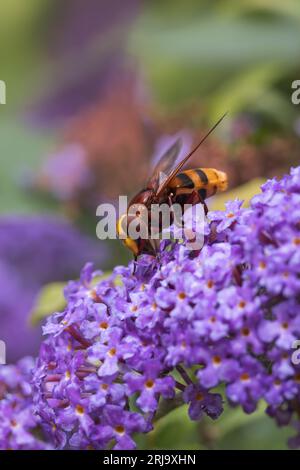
x=19, y=425
x=35, y=250
x=180, y=326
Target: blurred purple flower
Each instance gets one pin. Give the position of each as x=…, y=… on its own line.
x=79, y=172
x=243, y=126
x=65, y=172
x=95, y=31
x=82, y=22
x=34, y=251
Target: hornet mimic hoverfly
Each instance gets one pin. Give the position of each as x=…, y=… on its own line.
x=169, y=185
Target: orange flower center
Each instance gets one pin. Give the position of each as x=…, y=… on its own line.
x=79, y=410
x=216, y=360
x=95, y=297
x=112, y=352
x=149, y=383
x=245, y=331
x=245, y=377
x=297, y=378
x=120, y=429
x=199, y=396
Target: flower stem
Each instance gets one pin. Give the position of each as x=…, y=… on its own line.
x=184, y=375
x=168, y=405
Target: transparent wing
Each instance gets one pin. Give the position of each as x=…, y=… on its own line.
x=162, y=185
x=165, y=165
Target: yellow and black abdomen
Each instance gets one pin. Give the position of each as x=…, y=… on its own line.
x=206, y=181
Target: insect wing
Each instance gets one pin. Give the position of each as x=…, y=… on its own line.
x=174, y=172
x=165, y=165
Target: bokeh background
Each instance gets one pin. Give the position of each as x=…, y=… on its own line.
x=96, y=89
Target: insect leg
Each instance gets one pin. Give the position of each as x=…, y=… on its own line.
x=205, y=207
x=170, y=199
x=194, y=198
x=154, y=243
x=158, y=259
x=134, y=264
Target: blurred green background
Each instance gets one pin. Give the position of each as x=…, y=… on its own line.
x=93, y=86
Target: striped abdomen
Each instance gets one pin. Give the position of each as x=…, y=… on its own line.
x=205, y=180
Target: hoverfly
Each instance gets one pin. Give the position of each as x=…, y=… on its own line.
x=186, y=187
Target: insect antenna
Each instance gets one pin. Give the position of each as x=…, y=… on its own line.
x=185, y=159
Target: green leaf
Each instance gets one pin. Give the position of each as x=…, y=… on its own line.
x=174, y=431
x=245, y=90
x=254, y=432
x=49, y=300
x=21, y=39
x=289, y=8
x=233, y=430
x=217, y=41
x=234, y=418
x=229, y=61
x=21, y=153
x=244, y=192
x=237, y=430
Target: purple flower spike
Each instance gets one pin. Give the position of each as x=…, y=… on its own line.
x=18, y=421
x=176, y=328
